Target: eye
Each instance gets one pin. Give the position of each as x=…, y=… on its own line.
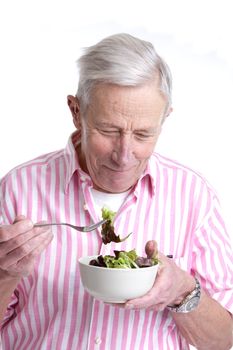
x=143, y=136
x=109, y=132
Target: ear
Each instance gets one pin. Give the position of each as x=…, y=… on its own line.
x=167, y=113
x=170, y=109
x=74, y=107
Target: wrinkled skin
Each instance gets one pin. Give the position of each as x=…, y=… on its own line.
x=118, y=131
x=20, y=245
x=170, y=287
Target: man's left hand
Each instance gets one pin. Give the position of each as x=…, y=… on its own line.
x=171, y=286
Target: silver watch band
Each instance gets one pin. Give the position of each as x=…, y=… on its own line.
x=190, y=302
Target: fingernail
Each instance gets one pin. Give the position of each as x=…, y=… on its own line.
x=28, y=224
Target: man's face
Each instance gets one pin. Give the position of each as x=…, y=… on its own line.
x=118, y=134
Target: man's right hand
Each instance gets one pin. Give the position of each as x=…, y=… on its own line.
x=20, y=244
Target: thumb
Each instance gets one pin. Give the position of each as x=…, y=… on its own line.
x=19, y=218
x=151, y=249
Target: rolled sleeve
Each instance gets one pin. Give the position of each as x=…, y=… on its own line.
x=11, y=309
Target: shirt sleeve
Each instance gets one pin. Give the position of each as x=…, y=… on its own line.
x=212, y=257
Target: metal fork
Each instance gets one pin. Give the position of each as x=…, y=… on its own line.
x=78, y=228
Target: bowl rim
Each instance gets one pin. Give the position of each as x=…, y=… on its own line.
x=111, y=268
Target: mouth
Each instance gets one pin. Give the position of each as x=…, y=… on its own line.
x=120, y=170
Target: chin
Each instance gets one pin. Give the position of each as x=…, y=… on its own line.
x=118, y=189
x=112, y=189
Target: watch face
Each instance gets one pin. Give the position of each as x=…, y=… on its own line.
x=192, y=304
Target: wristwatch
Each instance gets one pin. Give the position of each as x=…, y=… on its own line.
x=190, y=302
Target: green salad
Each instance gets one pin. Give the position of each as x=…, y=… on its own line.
x=107, y=231
x=121, y=259
x=124, y=260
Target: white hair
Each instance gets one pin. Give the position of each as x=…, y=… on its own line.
x=123, y=60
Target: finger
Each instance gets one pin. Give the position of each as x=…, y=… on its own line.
x=157, y=307
x=146, y=304
x=121, y=305
x=24, y=250
x=158, y=294
x=19, y=218
x=40, y=248
x=145, y=301
x=25, y=265
x=10, y=231
x=151, y=249
x=12, y=244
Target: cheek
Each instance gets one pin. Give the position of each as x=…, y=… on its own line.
x=98, y=147
x=144, y=151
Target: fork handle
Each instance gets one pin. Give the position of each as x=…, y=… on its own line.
x=77, y=228
x=55, y=224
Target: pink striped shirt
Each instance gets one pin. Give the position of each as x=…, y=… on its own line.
x=170, y=203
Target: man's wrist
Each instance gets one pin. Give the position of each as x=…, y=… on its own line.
x=189, y=287
x=190, y=302
x=6, y=277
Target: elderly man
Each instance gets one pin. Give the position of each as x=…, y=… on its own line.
x=123, y=98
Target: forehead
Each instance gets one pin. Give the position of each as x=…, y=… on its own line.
x=138, y=103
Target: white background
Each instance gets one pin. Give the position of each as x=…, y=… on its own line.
x=41, y=40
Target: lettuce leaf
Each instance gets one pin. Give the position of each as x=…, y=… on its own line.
x=107, y=231
x=122, y=260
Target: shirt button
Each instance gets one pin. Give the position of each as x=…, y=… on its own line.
x=85, y=206
x=98, y=341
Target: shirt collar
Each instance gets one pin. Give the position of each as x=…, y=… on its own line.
x=71, y=157
x=72, y=165
x=148, y=174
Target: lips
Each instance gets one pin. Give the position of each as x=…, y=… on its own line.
x=124, y=170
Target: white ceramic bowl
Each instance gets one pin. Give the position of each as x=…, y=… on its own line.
x=115, y=285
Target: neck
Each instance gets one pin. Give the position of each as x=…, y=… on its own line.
x=81, y=158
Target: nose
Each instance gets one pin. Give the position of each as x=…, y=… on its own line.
x=123, y=150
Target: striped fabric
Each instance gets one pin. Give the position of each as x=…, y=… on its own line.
x=170, y=203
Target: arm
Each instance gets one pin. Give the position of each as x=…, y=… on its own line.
x=20, y=244
x=207, y=327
